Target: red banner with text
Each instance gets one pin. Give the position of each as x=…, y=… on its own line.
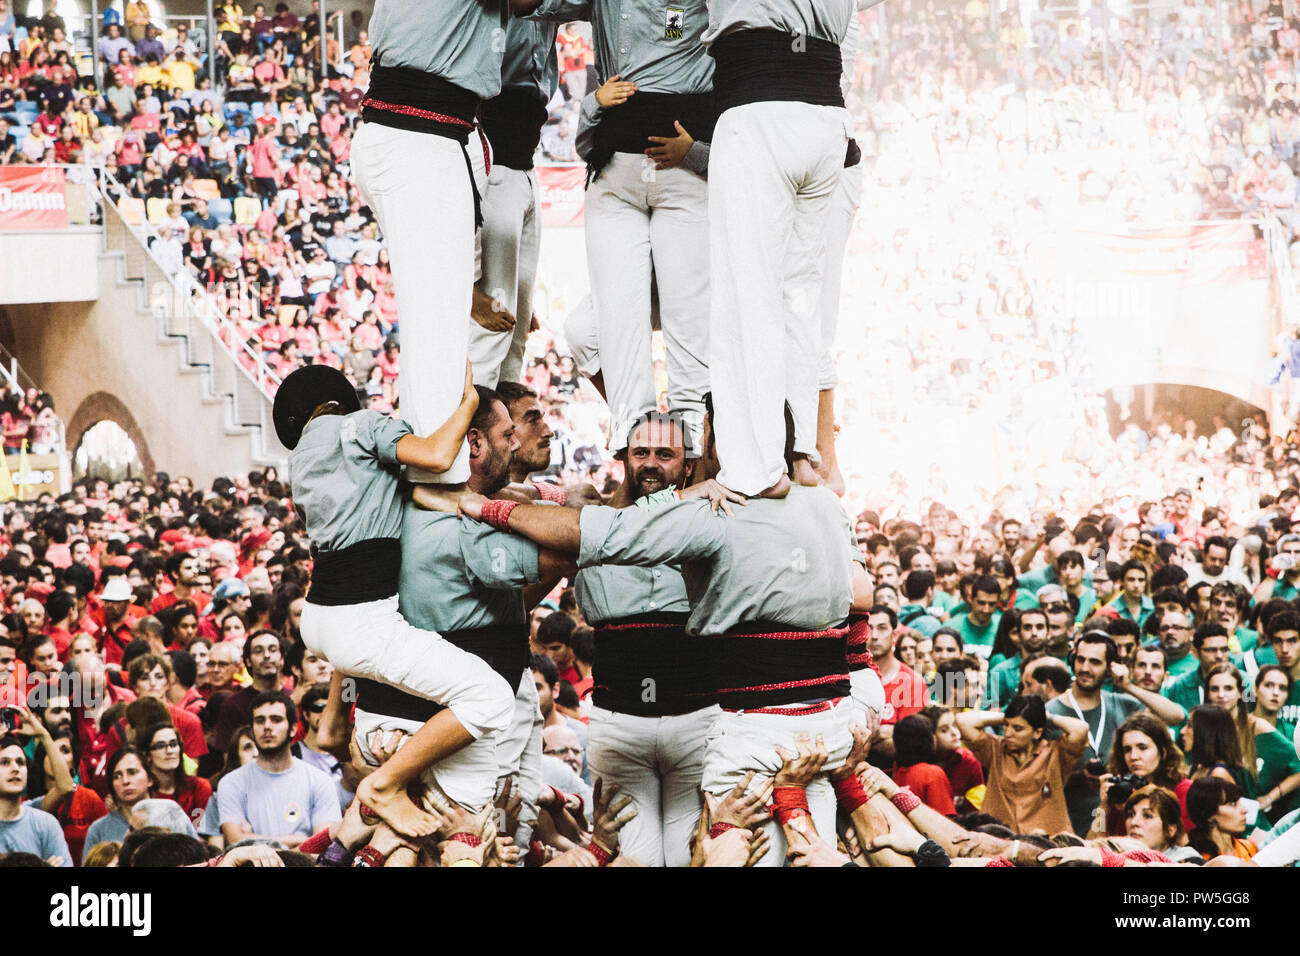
x=32, y=197
x=561, y=188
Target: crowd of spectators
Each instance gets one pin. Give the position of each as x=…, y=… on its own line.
x=27, y=417
x=1141, y=669
x=1126, y=616
x=981, y=144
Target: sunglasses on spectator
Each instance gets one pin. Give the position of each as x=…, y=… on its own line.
x=166, y=745
x=317, y=708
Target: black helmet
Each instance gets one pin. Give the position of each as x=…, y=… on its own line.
x=302, y=392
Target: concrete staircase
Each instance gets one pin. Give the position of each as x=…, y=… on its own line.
x=187, y=319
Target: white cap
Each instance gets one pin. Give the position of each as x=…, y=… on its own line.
x=116, y=590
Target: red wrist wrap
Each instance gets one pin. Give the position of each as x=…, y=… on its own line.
x=602, y=855
x=536, y=854
x=850, y=794
x=720, y=828
x=317, y=843
x=368, y=856
x=469, y=839
x=789, y=803
x=1109, y=858
x=905, y=800
x=550, y=492
x=497, y=513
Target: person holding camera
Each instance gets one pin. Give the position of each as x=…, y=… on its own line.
x=1286, y=562
x=1095, y=658
x=1144, y=755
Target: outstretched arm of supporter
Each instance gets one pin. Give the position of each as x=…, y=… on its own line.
x=61, y=783
x=1170, y=713
x=557, y=529
x=682, y=531
x=438, y=451
x=927, y=820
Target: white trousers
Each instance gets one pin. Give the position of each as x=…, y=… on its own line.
x=773, y=168
x=639, y=218
x=374, y=641
x=519, y=757
x=741, y=742
x=839, y=223
x=583, y=338
x=511, y=241
x=659, y=761
x=419, y=189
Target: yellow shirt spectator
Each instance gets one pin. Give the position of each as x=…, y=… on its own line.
x=179, y=74
x=151, y=73
x=84, y=124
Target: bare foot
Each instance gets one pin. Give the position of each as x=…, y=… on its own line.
x=805, y=474
x=395, y=808
x=778, y=490
x=489, y=313
x=830, y=475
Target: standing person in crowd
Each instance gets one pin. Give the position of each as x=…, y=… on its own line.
x=1271, y=757
x=965, y=775
x=916, y=767
x=23, y=828
x=128, y=784
x=782, y=134
x=431, y=70
x=1026, y=772
x=1144, y=754
x=1152, y=815
x=512, y=230
x=276, y=796
x=1218, y=819
x=169, y=778
x=1094, y=661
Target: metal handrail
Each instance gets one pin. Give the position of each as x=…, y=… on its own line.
x=199, y=302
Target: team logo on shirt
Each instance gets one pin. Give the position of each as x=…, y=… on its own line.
x=674, y=23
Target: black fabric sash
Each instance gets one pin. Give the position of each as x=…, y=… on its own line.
x=648, y=666
x=626, y=128
x=758, y=66
x=766, y=666
x=358, y=574
x=513, y=123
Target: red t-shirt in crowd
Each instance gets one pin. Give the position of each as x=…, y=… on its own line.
x=964, y=771
x=930, y=784
x=163, y=601
x=193, y=795
x=75, y=815
x=905, y=695
x=190, y=729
